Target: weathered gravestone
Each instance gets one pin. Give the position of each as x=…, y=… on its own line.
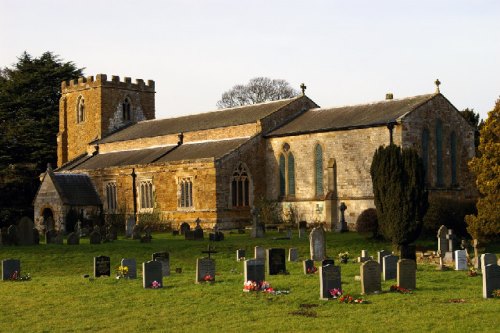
x=327, y=262
x=487, y=259
x=317, y=244
x=12, y=234
x=152, y=275
x=309, y=267
x=275, y=261
x=254, y=270
x=448, y=256
x=58, y=239
x=216, y=236
x=102, y=266
x=460, y=260
x=240, y=254
x=36, y=237
x=382, y=254
x=73, y=239
x=164, y=259
x=95, y=237
x=10, y=267
x=364, y=256
x=491, y=279
x=198, y=234
x=257, y=226
x=25, y=231
x=259, y=252
x=132, y=267
x=390, y=267
x=130, y=227
x=293, y=254
x=370, y=277
x=184, y=227
x=136, y=232
x=302, y=228
x=442, y=241
x=50, y=236
x=329, y=278
x=407, y=274
x=146, y=238
x=205, y=270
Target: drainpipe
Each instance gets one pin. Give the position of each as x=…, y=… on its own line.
x=134, y=194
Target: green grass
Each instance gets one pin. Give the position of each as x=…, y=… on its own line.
x=59, y=299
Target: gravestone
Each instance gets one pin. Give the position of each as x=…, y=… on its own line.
x=442, y=241
x=452, y=239
x=254, y=270
x=95, y=237
x=102, y=266
x=146, y=238
x=491, y=279
x=151, y=272
x=136, y=232
x=327, y=262
x=289, y=233
x=184, y=227
x=317, y=244
x=329, y=278
x=390, y=267
x=9, y=267
x=364, y=256
x=175, y=232
x=302, y=228
x=58, y=239
x=189, y=235
x=370, y=277
x=132, y=267
x=164, y=259
x=50, y=236
x=130, y=227
x=293, y=254
x=381, y=255
x=25, y=231
x=36, y=237
x=407, y=274
x=259, y=252
x=240, y=254
x=275, y=261
x=205, y=267
x=487, y=259
x=73, y=239
x=257, y=226
x=460, y=260
x=198, y=233
x=309, y=267
x=216, y=236
x=12, y=234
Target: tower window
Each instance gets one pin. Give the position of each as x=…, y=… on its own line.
x=126, y=114
x=80, y=110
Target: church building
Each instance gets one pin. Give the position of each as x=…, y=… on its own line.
x=115, y=158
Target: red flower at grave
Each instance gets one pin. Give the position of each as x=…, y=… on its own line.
x=208, y=278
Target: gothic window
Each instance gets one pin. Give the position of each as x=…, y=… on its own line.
x=146, y=194
x=425, y=152
x=286, y=172
x=282, y=167
x=111, y=196
x=126, y=114
x=318, y=169
x=80, y=110
x=439, y=153
x=291, y=174
x=185, y=193
x=453, y=156
x=240, y=187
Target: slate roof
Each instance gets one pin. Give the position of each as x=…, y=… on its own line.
x=76, y=189
x=348, y=117
x=216, y=119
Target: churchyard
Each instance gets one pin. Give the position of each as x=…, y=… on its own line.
x=63, y=293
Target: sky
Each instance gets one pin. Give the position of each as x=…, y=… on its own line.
x=346, y=52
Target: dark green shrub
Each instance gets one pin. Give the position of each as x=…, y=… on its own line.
x=450, y=212
x=367, y=222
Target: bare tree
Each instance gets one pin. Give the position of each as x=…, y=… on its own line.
x=258, y=90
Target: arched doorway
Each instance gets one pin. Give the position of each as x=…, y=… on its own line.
x=48, y=219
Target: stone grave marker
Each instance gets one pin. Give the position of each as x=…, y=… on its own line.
x=151, y=272
x=50, y=236
x=205, y=267
x=390, y=267
x=95, y=237
x=198, y=233
x=370, y=277
x=329, y=278
x=442, y=241
x=25, y=231
x=257, y=226
x=487, y=259
x=184, y=227
x=327, y=262
x=302, y=228
x=58, y=239
x=382, y=254
x=240, y=254
x=164, y=259
x=259, y=252
x=254, y=270
x=73, y=239
x=275, y=261
x=364, y=256
x=407, y=274
x=460, y=260
x=317, y=244
x=136, y=232
x=130, y=227
x=36, y=237
x=293, y=254
x=309, y=267
x=189, y=235
x=491, y=279
x=132, y=267
x=452, y=240
x=102, y=266
x=12, y=234
x=9, y=267
x=216, y=236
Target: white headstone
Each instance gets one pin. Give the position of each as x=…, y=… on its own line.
x=460, y=260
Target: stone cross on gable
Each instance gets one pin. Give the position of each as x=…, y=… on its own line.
x=437, y=83
x=303, y=87
x=209, y=251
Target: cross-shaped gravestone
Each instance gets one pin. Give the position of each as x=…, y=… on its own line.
x=451, y=240
x=209, y=251
x=343, y=224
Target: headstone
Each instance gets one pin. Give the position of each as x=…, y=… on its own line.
x=442, y=241
x=146, y=238
x=327, y=262
x=259, y=252
x=58, y=239
x=370, y=277
x=25, y=231
x=78, y=228
x=460, y=260
x=205, y=267
x=111, y=233
x=95, y=237
x=9, y=267
x=50, y=236
x=130, y=227
x=289, y=233
x=136, y=232
x=102, y=266
x=343, y=222
x=364, y=256
x=73, y=239
x=184, y=227
x=189, y=235
x=12, y=234
x=151, y=272
x=240, y=254
x=257, y=225
x=254, y=270
x=275, y=261
x=390, y=267
x=329, y=278
x=36, y=237
x=302, y=228
x=175, y=232
x=198, y=234
x=382, y=254
x=452, y=239
x=317, y=244
x=132, y=267
x=293, y=254
x=487, y=259
x=216, y=236
x=309, y=267
x=491, y=279
x=407, y=274
x=164, y=259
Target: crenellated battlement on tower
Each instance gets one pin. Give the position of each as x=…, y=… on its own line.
x=101, y=80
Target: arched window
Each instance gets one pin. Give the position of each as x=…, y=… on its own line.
x=453, y=156
x=282, y=167
x=146, y=194
x=111, y=196
x=425, y=152
x=291, y=174
x=126, y=114
x=185, y=199
x=439, y=153
x=287, y=172
x=318, y=169
x=80, y=110
x=240, y=187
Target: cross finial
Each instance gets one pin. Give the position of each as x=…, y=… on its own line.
x=303, y=87
x=437, y=83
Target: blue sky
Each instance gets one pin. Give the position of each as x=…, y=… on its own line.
x=346, y=52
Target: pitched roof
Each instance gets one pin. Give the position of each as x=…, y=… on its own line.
x=223, y=118
x=347, y=117
x=76, y=189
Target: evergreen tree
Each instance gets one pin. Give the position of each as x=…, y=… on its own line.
x=474, y=119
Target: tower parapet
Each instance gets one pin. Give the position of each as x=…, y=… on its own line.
x=101, y=80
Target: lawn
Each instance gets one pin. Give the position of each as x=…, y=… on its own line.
x=59, y=299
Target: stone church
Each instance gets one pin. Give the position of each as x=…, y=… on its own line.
x=114, y=157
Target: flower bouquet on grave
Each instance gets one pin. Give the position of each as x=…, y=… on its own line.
x=344, y=257
x=122, y=272
x=401, y=290
x=472, y=272
x=155, y=285
x=348, y=299
x=312, y=270
x=15, y=276
x=336, y=292
x=208, y=278
x=496, y=293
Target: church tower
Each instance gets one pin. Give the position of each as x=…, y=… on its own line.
x=90, y=109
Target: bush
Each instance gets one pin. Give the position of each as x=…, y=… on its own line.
x=367, y=222
x=448, y=212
